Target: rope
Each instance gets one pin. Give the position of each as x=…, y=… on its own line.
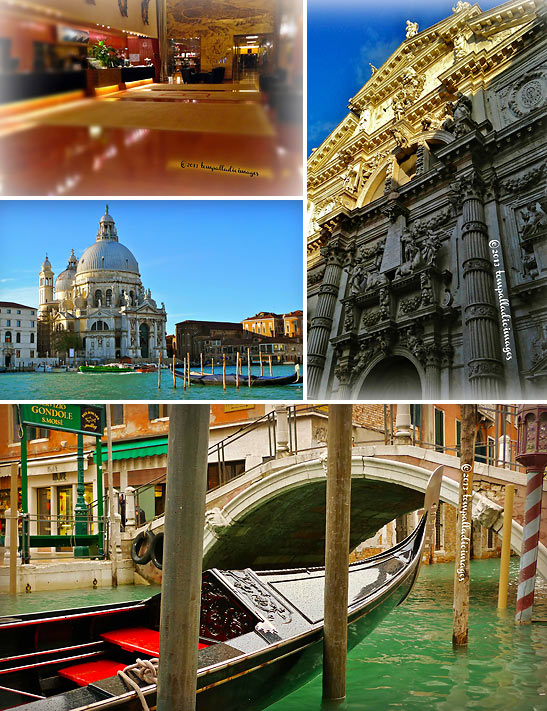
x=146, y=670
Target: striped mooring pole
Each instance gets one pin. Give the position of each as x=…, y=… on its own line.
x=531, y=453
x=530, y=540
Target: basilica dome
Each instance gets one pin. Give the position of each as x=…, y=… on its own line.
x=65, y=279
x=107, y=254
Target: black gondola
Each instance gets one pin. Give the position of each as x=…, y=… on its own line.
x=260, y=636
x=231, y=379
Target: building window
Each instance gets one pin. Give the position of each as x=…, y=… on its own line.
x=32, y=354
x=32, y=337
x=98, y=297
x=8, y=322
x=439, y=430
x=32, y=324
x=157, y=411
x=18, y=311
x=18, y=323
x=8, y=311
x=108, y=297
x=439, y=527
x=36, y=433
x=15, y=423
x=32, y=314
x=7, y=339
x=17, y=337
x=458, y=438
x=99, y=326
x=489, y=538
x=117, y=414
x=480, y=447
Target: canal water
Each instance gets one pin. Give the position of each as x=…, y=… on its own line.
x=137, y=386
x=408, y=663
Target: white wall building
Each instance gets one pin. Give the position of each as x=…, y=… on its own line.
x=18, y=334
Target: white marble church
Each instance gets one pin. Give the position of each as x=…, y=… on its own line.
x=100, y=297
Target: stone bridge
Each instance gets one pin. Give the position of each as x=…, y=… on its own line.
x=274, y=514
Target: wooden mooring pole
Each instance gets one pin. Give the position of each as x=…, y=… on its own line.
x=237, y=370
x=159, y=371
x=188, y=359
x=337, y=552
x=13, y=537
x=181, y=584
x=201, y=362
x=249, y=365
x=506, y=546
x=224, y=371
x=112, y=509
x=174, y=376
x=460, y=633
x=270, y=359
x=261, y=365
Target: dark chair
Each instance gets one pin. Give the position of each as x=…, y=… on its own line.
x=186, y=75
x=217, y=75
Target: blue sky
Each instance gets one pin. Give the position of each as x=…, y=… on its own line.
x=343, y=37
x=219, y=260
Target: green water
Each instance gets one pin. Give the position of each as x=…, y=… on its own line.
x=408, y=663
x=135, y=386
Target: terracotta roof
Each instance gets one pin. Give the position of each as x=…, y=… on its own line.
x=13, y=305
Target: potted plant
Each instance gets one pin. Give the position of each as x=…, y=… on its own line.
x=104, y=54
x=104, y=66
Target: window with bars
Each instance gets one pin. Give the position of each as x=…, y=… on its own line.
x=439, y=430
x=439, y=527
x=156, y=411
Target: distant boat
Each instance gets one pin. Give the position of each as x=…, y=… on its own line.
x=261, y=636
x=110, y=368
x=231, y=379
x=51, y=368
x=147, y=368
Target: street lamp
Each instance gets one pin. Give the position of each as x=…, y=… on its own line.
x=531, y=453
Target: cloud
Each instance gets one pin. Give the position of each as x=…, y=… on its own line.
x=26, y=295
x=3, y=281
x=319, y=130
x=375, y=50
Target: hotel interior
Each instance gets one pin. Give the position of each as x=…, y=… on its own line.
x=151, y=97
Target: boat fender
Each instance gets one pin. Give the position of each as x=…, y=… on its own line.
x=143, y=538
x=157, y=551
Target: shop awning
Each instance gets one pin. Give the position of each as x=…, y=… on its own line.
x=135, y=450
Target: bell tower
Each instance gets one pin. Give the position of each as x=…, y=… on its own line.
x=46, y=288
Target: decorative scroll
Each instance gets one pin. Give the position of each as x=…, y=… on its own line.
x=222, y=617
x=260, y=596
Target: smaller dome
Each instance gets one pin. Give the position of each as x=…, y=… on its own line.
x=106, y=217
x=46, y=264
x=65, y=279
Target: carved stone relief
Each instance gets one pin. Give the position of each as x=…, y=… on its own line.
x=528, y=93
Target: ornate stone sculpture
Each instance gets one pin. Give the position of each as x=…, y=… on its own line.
x=460, y=122
x=430, y=248
x=413, y=261
x=460, y=5
x=373, y=69
x=400, y=139
x=411, y=29
x=358, y=279
x=533, y=219
x=462, y=108
x=351, y=180
x=460, y=47
x=364, y=117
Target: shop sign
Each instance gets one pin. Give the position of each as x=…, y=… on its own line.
x=83, y=419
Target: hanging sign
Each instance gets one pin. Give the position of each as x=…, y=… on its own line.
x=82, y=419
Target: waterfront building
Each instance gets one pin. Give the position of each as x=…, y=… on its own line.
x=267, y=323
x=18, y=334
x=216, y=339
x=98, y=306
x=427, y=266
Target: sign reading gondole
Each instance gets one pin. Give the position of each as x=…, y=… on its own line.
x=82, y=419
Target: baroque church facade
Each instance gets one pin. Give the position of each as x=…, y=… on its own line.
x=427, y=245
x=100, y=298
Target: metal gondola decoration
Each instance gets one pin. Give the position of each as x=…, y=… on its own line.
x=256, y=628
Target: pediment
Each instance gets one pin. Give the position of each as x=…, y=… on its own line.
x=539, y=369
x=440, y=56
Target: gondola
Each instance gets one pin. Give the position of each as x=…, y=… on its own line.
x=231, y=379
x=260, y=636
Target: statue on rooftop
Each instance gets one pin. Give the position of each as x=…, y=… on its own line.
x=411, y=29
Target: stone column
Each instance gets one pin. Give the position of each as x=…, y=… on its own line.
x=403, y=433
x=130, y=509
x=281, y=430
x=480, y=316
x=321, y=323
x=432, y=384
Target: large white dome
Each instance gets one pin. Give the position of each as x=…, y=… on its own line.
x=107, y=254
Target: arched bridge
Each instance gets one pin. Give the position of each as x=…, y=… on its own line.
x=274, y=515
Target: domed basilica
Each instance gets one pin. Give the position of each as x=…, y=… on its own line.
x=100, y=297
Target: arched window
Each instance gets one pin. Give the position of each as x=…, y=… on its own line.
x=99, y=326
x=108, y=297
x=8, y=337
x=59, y=327
x=98, y=297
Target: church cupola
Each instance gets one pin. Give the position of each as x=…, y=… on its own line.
x=107, y=228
